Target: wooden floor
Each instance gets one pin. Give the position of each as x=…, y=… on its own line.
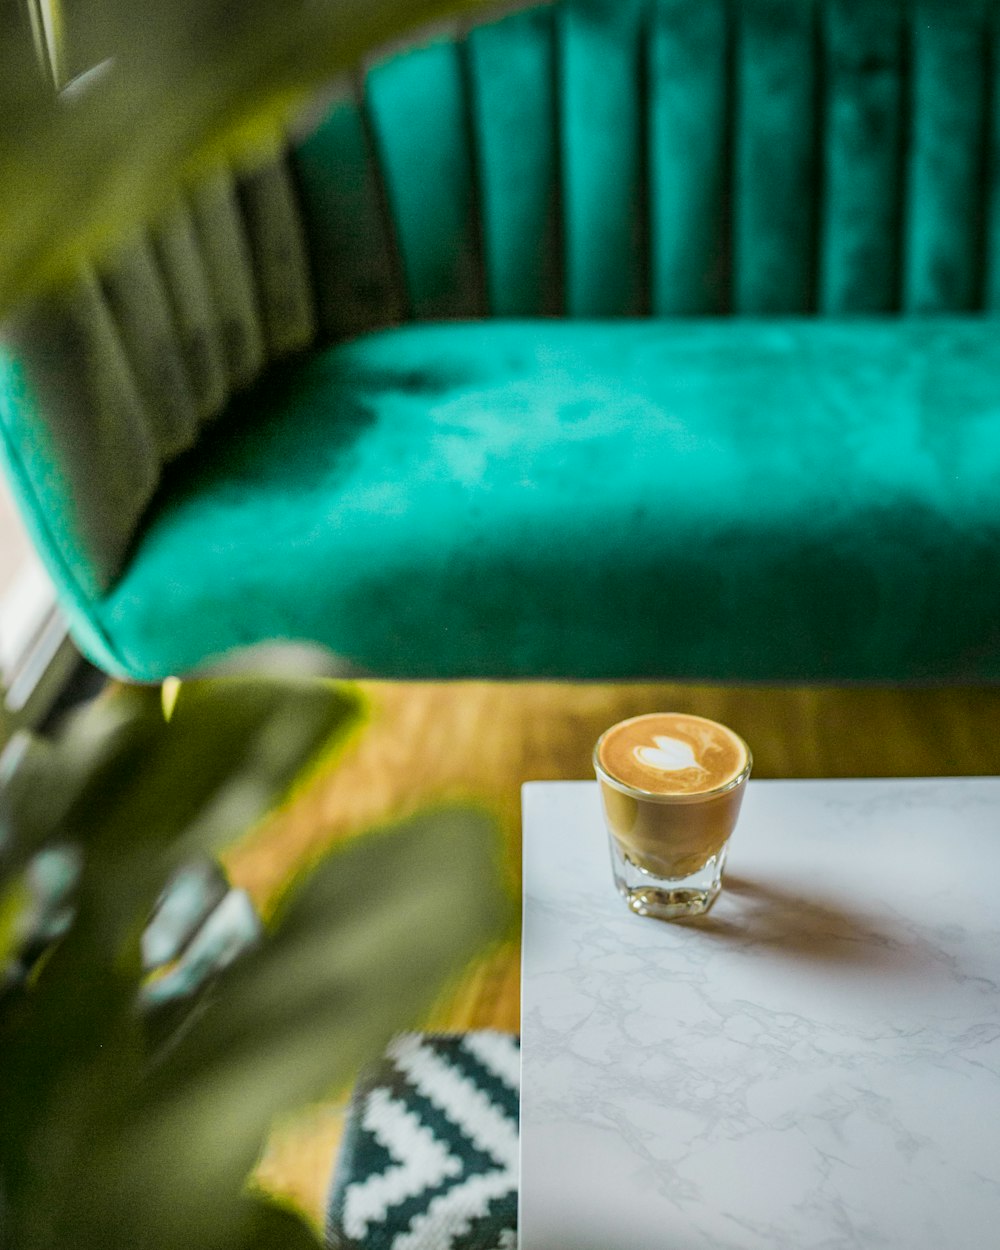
x=431, y=741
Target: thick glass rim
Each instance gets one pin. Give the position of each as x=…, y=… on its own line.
x=653, y=796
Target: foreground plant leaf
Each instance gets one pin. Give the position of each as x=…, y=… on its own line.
x=360, y=953
x=141, y=793
x=133, y=793
x=187, y=84
x=125, y=1134
x=268, y=1227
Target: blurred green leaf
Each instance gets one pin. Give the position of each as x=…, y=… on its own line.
x=261, y=736
x=361, y=950
x=269, y=1227
x=136, y=792
x=238, y=743
x=26, y=799
x=72, y=1066
x=188, y=83
x=131, y=1134
x=142, y=794
x=15, y=900
x=99, y=747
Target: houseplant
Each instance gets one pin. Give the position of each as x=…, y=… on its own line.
x=136, y=1128
x=183, y=84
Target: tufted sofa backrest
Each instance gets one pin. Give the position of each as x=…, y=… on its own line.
x=107, y=380
x=671, y=157
x=595, y=158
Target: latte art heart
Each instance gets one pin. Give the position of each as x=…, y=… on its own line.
x=670, y=755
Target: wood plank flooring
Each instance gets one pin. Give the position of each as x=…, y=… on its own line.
x=431, y=741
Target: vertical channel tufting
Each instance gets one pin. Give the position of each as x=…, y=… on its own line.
x=776, y=143
x=943, y=242
x=689, y=157
x=194, y=312
x=512, y=72
x=603, y=175
x=223, y=246
x=991, y=163
x=417, y=108
x=138, y=299
x=88, y=450
x=863, y=174
x=276, y=238
x=355, y=263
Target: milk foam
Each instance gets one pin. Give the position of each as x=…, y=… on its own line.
x=672, y=753
x=669, y=755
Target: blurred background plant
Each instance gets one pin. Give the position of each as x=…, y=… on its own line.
x=134, y=1104
x=163, y=91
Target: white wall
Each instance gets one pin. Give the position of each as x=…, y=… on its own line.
x=27, y=598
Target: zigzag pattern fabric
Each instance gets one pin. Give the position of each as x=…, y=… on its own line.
x=430, y=1154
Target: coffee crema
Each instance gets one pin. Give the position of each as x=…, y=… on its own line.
x=672, y=754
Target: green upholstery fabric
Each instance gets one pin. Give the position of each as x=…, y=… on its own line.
x=689, y=142
x=518, y=182
x=775, y=222
x=104, y=383
x=738, y=498
x=356, y=274
x=776, y=165
x=426, y=168
x=80, y=447
x=225, y=252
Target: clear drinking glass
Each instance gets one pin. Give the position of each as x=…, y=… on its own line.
x=671, y=788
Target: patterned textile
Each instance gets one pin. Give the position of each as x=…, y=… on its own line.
x=429, y=1157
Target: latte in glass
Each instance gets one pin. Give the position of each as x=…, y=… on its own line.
x=671, y=786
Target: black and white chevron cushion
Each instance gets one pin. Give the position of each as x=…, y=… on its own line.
x=429, y=1156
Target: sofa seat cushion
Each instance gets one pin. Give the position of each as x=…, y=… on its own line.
x=715, y=499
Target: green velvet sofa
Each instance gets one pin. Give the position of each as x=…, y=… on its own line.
x=607, y=339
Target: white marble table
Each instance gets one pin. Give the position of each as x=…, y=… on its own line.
x=813, y=1066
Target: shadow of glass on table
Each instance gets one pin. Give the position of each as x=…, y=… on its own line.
x=817, y=929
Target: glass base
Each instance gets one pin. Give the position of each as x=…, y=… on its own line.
x=666, y=898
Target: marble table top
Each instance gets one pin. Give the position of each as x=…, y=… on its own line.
x=815, y=1065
